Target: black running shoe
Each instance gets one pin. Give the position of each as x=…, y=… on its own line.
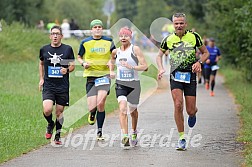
x=99, y=136
x=57, y=140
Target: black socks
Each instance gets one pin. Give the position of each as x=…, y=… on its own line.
x=100, y=119
x=48, y=118
x=59, y=123
x=212, y=85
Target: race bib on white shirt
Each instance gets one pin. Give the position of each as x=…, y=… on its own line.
x=126, y=74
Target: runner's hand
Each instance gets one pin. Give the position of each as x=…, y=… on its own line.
x=63, y=70
x=41, y=82
x=86, y=65
x=125, y=64
x=196, y=67
x=160, y=73
x=112, y=74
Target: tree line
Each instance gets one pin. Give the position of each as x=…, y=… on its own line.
x=228, y=21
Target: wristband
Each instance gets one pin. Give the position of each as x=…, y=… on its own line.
x=67, y=70
x=82, y=64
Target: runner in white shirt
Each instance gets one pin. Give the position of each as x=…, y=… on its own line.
x=129, y=59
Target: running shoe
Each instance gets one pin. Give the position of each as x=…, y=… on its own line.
x=49, y=130
x=99, y=136
x=91, y=119
x=134, y=139
x=181, y=145
x=191, y=121
x=199, y=81
x=125, y=141
x=211, y=93
x=207, y=86
x=57, y=140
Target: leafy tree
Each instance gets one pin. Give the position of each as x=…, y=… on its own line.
x=126, y=9
x=243, y=21
x=148, y=11
x=26, y=11
x=230, y=22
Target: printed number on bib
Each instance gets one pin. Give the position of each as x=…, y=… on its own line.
x=182, y=76
x=101, y=81
x=54, y=72
x=215, y=67
x=126, y=74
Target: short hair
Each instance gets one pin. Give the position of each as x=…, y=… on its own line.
x=178, y=15
x=211, y=39
x=57, y=27
x=125, y=31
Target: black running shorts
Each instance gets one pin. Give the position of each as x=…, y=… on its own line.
x=189, y=89
x=208, y=72
x=129, y=89
x=58, y=98
x=92, y=90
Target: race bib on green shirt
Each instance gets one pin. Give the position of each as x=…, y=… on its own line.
x=182, y=77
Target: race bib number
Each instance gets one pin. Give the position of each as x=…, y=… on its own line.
x=182, y=77
x=101, y=81
x=215, y=67
x=126, y=74
x=54, y=72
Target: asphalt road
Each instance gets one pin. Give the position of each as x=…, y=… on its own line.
x=211, y=143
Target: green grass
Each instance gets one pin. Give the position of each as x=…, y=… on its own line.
x=242, y=91
x=22, y=125
x=18, y=43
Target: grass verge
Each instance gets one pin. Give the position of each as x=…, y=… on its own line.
x=242, y=90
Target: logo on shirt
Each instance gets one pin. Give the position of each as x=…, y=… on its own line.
x=55, y=58
x=98, y=50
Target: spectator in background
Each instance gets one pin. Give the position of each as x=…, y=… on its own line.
x=74, y=27
x=0, y=27
x=41, y=25
x=50, y=25
x=66, y=29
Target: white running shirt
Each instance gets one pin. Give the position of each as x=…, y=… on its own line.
x=123, y=73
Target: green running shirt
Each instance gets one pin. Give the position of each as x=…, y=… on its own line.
x=182, y=52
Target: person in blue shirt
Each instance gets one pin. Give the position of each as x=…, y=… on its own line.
x=211, y=66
